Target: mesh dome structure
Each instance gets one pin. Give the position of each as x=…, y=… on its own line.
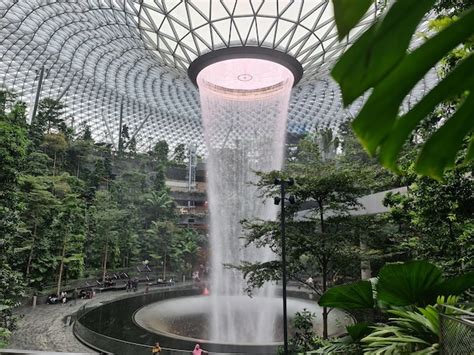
x=113, y=61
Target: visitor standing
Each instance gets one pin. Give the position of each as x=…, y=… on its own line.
x=156, y=349
x=198, y=351
x=63, y=297
x=74, y=295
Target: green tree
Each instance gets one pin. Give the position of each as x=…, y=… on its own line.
x=55, y=145
x=132, y=146
x=158, y=206
x=87, y=133
x=49, y=119
x=37, y=164
x=319, y=245
x=185, y=249
x=159, y=155
x=160, y=151
x=79, y=157
x=106, y=216
x=304, y=338
x=39, y=204
x=179, y=153
x=69, y=228
x=13, y=148
x=435, y=219
x=158, y=242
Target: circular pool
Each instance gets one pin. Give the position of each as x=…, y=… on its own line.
x=188, y=317
x=177, y=319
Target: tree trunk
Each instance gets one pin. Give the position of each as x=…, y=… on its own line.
x=54, y=164
x=61, y=266
x=324, y=268
x=325, y=310
x=104, y=266
x=30, y=257
x=164, y=268
x=365, y=269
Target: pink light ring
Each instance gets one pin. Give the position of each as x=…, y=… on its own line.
x=245, y=78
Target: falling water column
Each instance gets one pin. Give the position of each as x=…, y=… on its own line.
x=244, y=106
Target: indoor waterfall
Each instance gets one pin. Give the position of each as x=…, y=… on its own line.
x=244, y=105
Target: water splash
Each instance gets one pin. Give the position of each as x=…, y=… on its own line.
x=244, y=106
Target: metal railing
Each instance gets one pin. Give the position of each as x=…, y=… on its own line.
x=456, y=331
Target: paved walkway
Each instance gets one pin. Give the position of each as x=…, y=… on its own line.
x=44, y=327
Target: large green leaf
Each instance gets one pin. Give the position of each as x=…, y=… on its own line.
x=436, y=155
x=379, y=60
x=457, y=285
x=413, y=282
x=459, y=80
x=357, y=295
x=359, y=330
x=347, y=13
x=379, y=49
x=470, y=151
x=376, y=119
x=389, y=339
x=424, y=319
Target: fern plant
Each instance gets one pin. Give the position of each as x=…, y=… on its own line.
x=411, y=331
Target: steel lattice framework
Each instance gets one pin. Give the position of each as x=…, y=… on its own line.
x=108, y=59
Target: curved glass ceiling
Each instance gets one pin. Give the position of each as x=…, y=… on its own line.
x=112, y=58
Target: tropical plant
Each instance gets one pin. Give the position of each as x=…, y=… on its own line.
x=409, y=331
x=350, y=344
x=39, y=203
x=185, y=249
x=392, y=70
x=13, y=151
x=179, y=153
x=416, y=283
x=158, y=205
x=69, y=226
x=159, y=242
x=411, y=291
x=304, y=337
x=107, y=217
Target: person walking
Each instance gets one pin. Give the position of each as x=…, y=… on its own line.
x=198, y=351
x=63, y=297
x=156, y=349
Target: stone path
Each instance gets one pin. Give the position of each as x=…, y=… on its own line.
x=44, y=327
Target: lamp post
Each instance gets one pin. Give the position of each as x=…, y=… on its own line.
x=283, y=184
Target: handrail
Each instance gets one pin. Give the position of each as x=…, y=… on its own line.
x=462, y=316
x=130, y=342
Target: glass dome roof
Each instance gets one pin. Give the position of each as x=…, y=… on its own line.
x=112, y=59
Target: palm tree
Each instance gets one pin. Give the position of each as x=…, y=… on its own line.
x=158, y=206
x=160, y=235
